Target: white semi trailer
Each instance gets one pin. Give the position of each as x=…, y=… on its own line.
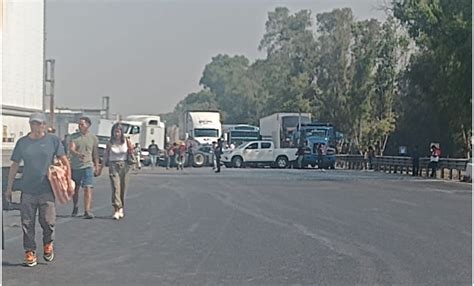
x=279, y=127
x=22, y=73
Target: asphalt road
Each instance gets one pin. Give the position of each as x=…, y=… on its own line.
x=259, y=227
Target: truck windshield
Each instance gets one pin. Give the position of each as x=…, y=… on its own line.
x=316, y=132
x=205, y=132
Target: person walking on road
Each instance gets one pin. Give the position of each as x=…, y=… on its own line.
x=300, y=154
x=137, y=150
x=190, y=146
x=213, y=152
x=84, y=154
x=153, y=151
x=171, y=152
x=320, y=155
x=218, y=153
x=37, y=150
x=115, y=157
x=181, y=156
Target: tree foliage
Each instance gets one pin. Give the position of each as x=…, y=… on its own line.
x=406, y=81
x=440, y=73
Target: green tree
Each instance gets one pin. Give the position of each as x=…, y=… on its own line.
x=362, y=70
x=289, y=67
x=333, y=78
x=227, y=77
x=383, y=115
x=442, y=30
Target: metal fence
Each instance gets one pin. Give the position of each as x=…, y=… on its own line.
x=447, y=168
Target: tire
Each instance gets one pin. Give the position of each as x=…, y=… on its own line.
x=199, y=160
x=237, y=162
x=282, y=162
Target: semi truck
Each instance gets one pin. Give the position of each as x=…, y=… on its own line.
x=151, y=128
x=202, y=125
x=141, y=129
x=22, y=72
x=279, y=127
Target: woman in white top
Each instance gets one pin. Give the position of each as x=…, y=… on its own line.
x=116, y=155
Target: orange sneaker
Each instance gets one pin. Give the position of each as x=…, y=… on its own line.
x=48, y=252
x=30, y=258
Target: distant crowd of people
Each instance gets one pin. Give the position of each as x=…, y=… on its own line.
x=181, y=154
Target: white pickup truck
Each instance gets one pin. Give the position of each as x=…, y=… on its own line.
x=258, y=152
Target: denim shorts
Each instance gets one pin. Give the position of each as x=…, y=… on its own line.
x=83, y=177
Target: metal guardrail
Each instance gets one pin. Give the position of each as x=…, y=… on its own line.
x=447, y=167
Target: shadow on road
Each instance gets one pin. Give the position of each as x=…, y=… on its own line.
x=9, y=264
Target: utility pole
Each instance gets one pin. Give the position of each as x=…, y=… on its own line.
x=49, y=78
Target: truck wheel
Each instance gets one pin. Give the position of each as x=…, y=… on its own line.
x=237, y=162
x=199, y=160
x=282, y=162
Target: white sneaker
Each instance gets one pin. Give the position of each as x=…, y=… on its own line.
x=116, y=215
x=120, y=213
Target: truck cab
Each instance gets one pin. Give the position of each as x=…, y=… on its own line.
x=204, y=126
x=314, y=135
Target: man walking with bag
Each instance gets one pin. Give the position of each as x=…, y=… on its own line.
x=37, y=150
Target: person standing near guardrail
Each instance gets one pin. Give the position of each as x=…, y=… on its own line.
x=370, y=156
x=415, y=161
x=37, y=150
x=434, y=158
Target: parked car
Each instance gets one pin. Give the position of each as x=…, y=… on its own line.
x=259, y=153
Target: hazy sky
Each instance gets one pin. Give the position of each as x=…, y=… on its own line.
x=149, y=55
